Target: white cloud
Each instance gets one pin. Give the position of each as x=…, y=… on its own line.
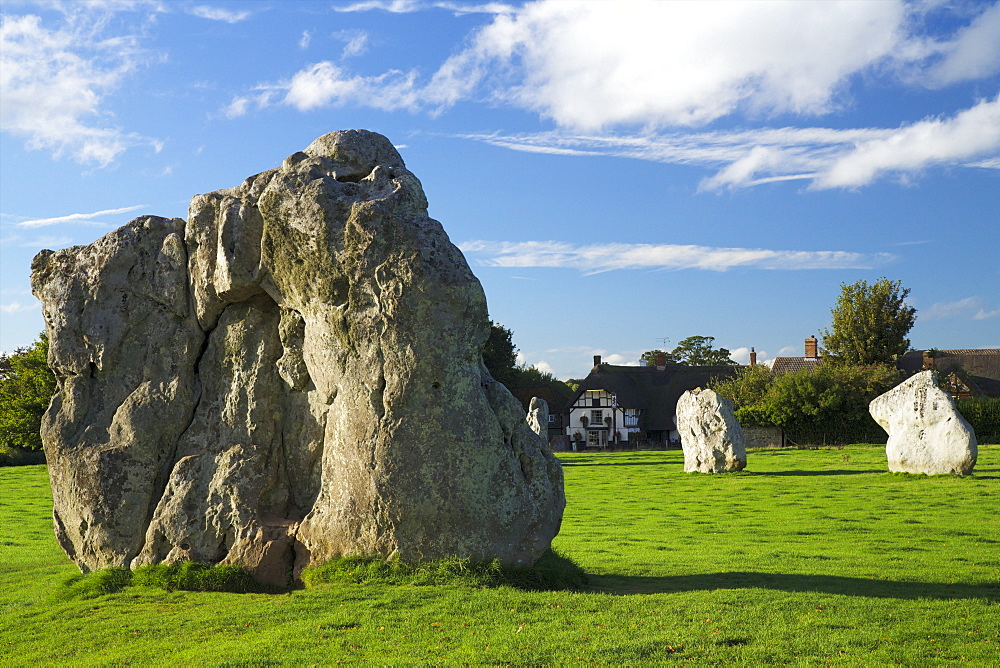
x=219, y=14
x=621, y=360
x=544, y=367
x=325, y=84
x=394, y=6
x=356, y=42
x=77, y=217
x=305, y=40
x=53, y=82
x=969, y=308
x=969, y=134
x=598, y=258
x=236, y=108
x=988, y=163
x=592, y=65
x=742, y=355
x=974, y=53
x=409, y=6
x=18, y=307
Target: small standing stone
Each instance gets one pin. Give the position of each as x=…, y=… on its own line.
x=538, y=417
x=711, y=437
x=926, y=433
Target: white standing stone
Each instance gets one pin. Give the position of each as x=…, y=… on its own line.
x=926, y=433
x=711, y=437
x=538, y=417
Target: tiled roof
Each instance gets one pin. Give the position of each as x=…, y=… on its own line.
x=982, y=365
x=649, y=388
x=783, y=365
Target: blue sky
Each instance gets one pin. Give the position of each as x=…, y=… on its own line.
x=619, y=175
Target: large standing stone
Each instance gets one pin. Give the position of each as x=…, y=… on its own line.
x=292, y=375
x=926, y=433
x=711, y=437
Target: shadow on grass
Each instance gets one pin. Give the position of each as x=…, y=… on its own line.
x=824, y=584
x=807, y=473
x=592, y=462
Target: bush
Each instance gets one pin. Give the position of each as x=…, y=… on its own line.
x=827, y=404
x=15, y=456
x=552, y=572
x=26, y=388
x=983, y=413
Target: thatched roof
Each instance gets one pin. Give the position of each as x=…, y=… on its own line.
x=651, y=389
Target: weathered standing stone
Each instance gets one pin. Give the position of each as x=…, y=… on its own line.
x=538, y=417
x=711, y=437
x=926, y=433
x=292, y=375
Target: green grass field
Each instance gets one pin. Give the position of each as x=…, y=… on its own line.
x=813, y=557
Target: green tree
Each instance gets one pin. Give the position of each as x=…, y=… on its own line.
x=698, y=351
x=649, y=357
x=748, y=387
x=26, y=387
x=531, y=376
x=500, y=354
x=692, y=351
x=870, y=324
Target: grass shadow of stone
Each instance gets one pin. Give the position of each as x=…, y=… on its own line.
x=811, y=473
x=591, y=462
x=791, y=582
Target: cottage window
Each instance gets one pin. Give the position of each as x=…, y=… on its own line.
x=596, y=417
x=552, y=418
x=596, y=401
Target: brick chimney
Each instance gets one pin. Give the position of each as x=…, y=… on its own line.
x=928, y=359
x=753, y=357
x=661, y=361
x=811, y=346
x=597, y=360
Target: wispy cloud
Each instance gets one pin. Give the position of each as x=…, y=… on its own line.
x=970, y=308
x=969, y=134
x=596, y=258
x=86, y=218
x=53, y=81
x=305, y=40
x=825, y=157
x=974, y=53
x=409, y=6
x=219, y=14
x=355, y=42
x=18, y=307
x=48, y=241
